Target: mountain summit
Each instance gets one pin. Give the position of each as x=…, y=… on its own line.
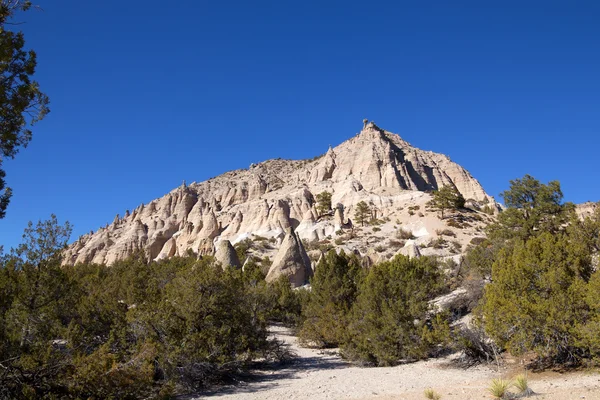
x=265, y=200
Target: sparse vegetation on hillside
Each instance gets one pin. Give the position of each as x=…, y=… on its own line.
x=445, y=199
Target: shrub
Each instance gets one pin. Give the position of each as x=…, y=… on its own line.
x=445, y=232
x=404, y=234
x=334, y=288
x=536, y=297
x=477, y=241
x=396, y=244
x=432, y=394
x=438, y=243
x=376, y=229
x=389, y=321
x=475, y=346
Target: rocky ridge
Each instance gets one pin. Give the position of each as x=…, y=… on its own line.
x=277, y=196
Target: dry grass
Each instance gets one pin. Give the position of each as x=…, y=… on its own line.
x=432, y=394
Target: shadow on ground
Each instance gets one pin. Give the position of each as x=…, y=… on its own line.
x=265, y=376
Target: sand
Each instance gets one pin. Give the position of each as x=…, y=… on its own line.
x=319, y=375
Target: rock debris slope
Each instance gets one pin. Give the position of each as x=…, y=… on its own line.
x=269, y=198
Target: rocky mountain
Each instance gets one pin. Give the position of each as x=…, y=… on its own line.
x=263, y=202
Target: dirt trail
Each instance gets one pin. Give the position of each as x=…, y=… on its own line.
x=320, y=375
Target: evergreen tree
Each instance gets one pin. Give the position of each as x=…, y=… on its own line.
x=446, y=198
x=537, y=295
x=532, y=208
x=362, y=213
x=323, y=202
x=389, y=317
x=22, y=103
x=334, y=288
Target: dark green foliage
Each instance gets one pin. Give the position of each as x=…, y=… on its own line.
x=362, y=213
x=323, y=202
x=538, y=295
x=285, y=304
x=22, y=103
x=35, y=309
x=391, y=318
x=334, y=288
x=446, y=198
x=134, y=330
x=532, y=208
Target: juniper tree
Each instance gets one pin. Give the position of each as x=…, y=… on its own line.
x=323, y=202
x=22, y=103
x=362, y=213
x=446, y=198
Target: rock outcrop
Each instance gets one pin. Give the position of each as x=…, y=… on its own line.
x=291, y=261
x=269, y=198
x=226, y=255
x=410, y=249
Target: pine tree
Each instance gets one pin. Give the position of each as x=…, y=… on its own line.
x=362, y=213
x=22, y=103
x=446, y=198
x=389, y=318
x=323, y=202
x=334, y=288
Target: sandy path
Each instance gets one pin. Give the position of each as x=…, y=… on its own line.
x=323, y=375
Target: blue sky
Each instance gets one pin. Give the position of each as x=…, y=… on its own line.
x=145, y=94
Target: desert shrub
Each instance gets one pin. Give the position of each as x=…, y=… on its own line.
x=456, y=246
x=404, y=234
x=379, y=249
x=488, y=210
x=476, y=241
x=376, y=229
x=431, y=394
x=134, y=330
x=474, y=345
x=389, y=321
x=445, y=232
x=396, y=244
x=438, y=243
x=334, y=288
x=455, y=223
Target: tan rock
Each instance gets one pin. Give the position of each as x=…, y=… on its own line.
x=226, y=255
x=291, y=261
x=410, y=249
x=375, y=166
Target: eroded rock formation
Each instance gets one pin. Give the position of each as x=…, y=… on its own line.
x=269, y=198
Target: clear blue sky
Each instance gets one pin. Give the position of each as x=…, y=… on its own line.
x=145, y=94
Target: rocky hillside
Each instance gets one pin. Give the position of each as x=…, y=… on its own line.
x=262, y=202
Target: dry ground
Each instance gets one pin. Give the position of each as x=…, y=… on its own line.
x=320, y=375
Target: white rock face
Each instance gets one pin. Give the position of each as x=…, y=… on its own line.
x=291, y=260
x=375, y=166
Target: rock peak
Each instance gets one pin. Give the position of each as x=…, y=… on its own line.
x=276, y=199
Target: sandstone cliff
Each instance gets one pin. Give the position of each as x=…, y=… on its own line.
x=268, y=198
